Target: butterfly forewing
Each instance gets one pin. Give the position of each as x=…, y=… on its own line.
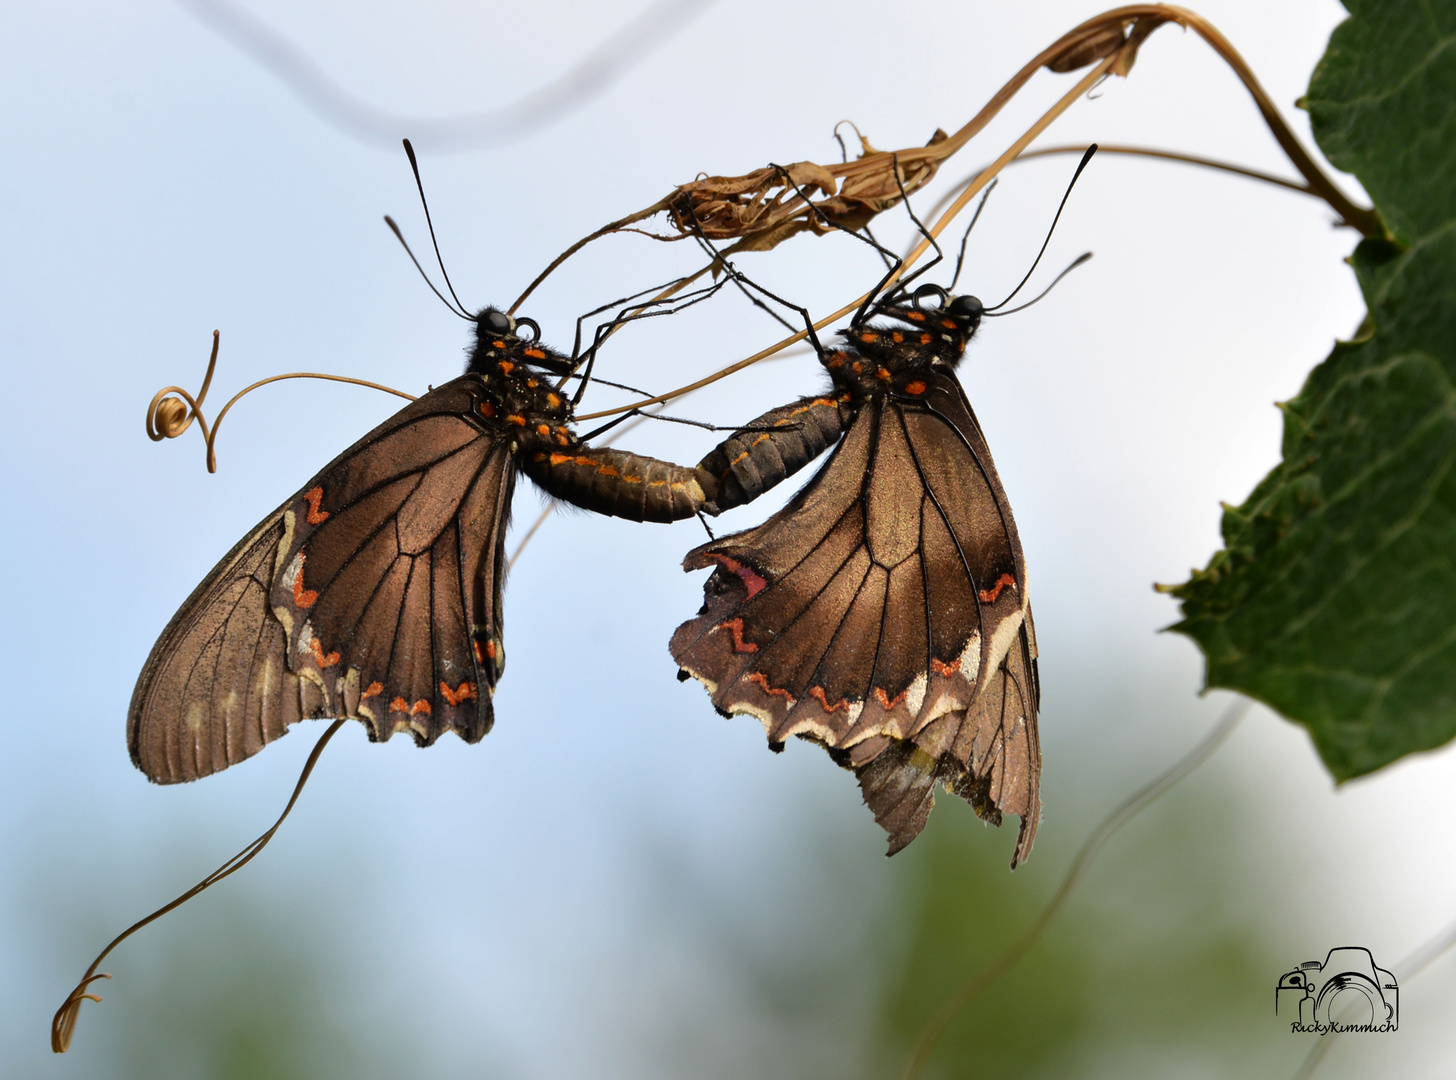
x=882, y=613
x=374, y=593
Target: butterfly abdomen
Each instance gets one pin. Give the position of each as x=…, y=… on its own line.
x=619, y=483
x=775, y=446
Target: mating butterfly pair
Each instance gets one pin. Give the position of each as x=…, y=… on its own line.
x=882, y=613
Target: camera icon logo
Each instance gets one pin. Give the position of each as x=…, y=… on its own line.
x=1347, y=991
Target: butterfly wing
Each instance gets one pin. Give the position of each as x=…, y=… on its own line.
x=883, y=614
x=374, y=593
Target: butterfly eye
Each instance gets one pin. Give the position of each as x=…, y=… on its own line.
x=966, y=307
x=535, y=330
x=930, y=290
x=497, y=322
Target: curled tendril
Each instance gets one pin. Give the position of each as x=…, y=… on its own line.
x=63, y=1026
x=173, y=409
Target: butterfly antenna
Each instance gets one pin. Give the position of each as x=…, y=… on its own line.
x=1078, y=261
x=415, y=167
x=1080, y=166
x=394, y=228
x=961, y=258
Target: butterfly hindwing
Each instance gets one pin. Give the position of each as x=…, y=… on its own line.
x=882, y=613
x=374, y=593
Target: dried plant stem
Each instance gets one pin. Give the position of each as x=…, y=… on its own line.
x=63, y=1026
x=1086, y=83
x=1119, y=817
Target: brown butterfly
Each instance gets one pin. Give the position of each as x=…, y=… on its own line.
x=883, y=612
x=375, y=592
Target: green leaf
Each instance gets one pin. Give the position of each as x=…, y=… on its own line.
x=1334, y=599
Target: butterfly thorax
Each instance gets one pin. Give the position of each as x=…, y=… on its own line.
x=519, y=394
x=879, y=359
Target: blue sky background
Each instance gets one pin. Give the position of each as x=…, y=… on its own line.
x=599, y=888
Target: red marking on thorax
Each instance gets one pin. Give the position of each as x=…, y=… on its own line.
x=915, y=316
x=750, y=577
x=882, y=373
x=818, y=692
x=499, y=344
x=315, y=516
x=554, y=400
x=988, y=596
x=949, y=324
x=761, y=680
x=465, y=693
x=318, y=654
x=897, y=337
x=735, y=627
x=519, y=421
x=543, y=429
x=868, y=336
x=926, y=338
x=535, y=354
x=507, y=367
x=531, y=384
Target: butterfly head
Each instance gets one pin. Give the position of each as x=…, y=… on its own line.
x=500, y=337
x=942, y=326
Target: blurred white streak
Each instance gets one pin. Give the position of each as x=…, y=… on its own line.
x=601, y=67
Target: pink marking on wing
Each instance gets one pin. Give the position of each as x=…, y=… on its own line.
x=752, y=580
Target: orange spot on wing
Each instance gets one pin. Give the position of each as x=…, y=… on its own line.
x=916, y=387
x=988, y=596
x=761, y=680
x=519, y=421
x=375, y=689
x=926, y=338
x=466, y=692
x=421, y=706
x=315, y=516
x=943, y=669
x=399, y=704
x=318, y=654
x=735, y=627
x=884, y=699
x=818, y=692
x=486, y=409
x=302, y=597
